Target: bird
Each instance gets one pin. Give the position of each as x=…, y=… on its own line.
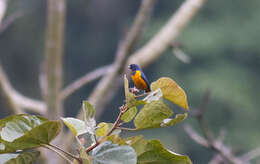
x=139, y=78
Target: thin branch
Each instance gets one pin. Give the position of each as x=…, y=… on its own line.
x=3, y=7
x=123, y=109
x=15, y=100
x=54, y=55
x=10, y=20
x=64, y=152
x=212, y=143
x=195, y=136
x=124, y=128
x=163, y=40
x=122, y=54
x=251, y=155
x=59, y=153
x=74, y=86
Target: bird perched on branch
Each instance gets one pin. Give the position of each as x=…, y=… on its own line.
x=139, y=78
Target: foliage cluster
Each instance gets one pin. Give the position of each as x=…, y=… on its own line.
x=101, y=143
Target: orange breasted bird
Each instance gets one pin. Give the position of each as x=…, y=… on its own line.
x=139, y=78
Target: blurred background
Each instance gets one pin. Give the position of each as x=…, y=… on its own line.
x=222, y=42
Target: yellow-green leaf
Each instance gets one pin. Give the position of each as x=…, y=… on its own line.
x=171, y=91
x=172, y=121
x=152, y=114
x=129, y=114
x=103, y=129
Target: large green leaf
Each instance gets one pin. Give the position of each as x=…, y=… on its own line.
x=24, y=158
x=77, y=126
x=152, y=115
x=171, y=91
x=26, y=131
x=155, y=153
x=108, y=153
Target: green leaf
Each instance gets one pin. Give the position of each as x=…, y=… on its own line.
x=152, y=115
x=129, y=114
x=24, y=131
x=77, y=126
x=130, y=97
x=170, y=122
x=89, y=110
x=89, y=116
x=103, y=129
x=83, y=155
x=153, y=96
x=171, y=91
x=154, y=153
x=24, y=158
x=138, y=143
x=108, y=153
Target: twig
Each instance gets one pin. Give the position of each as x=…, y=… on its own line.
x=123, y=109
x=215, y=145
x=124, y=128
x=122, y=54
x=59, y=153
x=64, y=152
x=74, y=86
x=53, y=56
x=163, y=40
x=251, y=155
x=3, y=7
x=195, y=136
x=10, y=20
x=16, y=101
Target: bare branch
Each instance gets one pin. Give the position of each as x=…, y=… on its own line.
x=3, y=7
x=54, y=55
x=195, y=136
x=122, y=54
x=74, y=86
x=163, y=40
x=251, y=155
x=9, y=20
x=16, y=101
x=212, y=143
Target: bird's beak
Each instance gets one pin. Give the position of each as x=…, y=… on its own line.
x=128, y=67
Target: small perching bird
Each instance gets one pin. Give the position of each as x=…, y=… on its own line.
x=139, y=78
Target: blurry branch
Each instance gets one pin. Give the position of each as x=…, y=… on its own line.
x=124, y=50
x=102, y=92
x=9, y=20
x=210, y=142
x=54, y=56
x=251, y=155
x=163, y=40
x=148, y=53
x=93, y=75
x=3, y=6
x=16, y=101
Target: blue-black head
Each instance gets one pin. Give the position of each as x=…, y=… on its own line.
x=134, y=67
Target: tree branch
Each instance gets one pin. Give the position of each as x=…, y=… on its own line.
x=123, y=51
x=211, y=142
x=54, y=55
x=74, y=86
x=16, y=101
x=163, y=40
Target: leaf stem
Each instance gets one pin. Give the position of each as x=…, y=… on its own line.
x=124, y=128
x=59, y=153
x=123, y=109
